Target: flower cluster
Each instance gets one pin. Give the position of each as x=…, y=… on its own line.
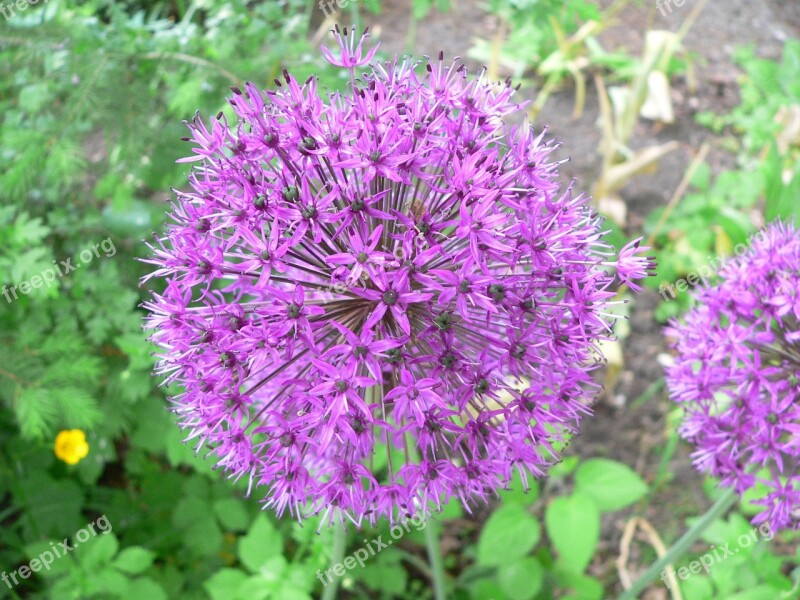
x=736, y=375
x=464, y=352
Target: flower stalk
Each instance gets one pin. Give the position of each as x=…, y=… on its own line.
x=679, y=548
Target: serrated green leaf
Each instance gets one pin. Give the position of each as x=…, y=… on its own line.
x=36, y=411
x=97, y=551
x=107, y=582
x=261, y=543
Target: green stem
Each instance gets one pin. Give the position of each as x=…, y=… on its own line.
x=725, y=501
x=339, y=539
x=355, y=16
x=435, y=558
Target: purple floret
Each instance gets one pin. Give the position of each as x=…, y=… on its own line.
x=379, y=300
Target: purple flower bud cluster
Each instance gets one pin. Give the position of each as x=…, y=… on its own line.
x=736, y=375
x=378, y=300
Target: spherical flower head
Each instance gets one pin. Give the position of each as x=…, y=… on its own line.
x=381, y=299
x=736, y=375
x=70, y=446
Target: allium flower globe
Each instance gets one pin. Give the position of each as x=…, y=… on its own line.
x=736, y=375
x=379, y=300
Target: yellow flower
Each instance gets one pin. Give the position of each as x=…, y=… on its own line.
x=71, y=446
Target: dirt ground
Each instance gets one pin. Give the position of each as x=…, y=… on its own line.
x=619, y=430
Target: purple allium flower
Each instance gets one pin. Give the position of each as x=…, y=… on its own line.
x=736, y=375
x=379, y=300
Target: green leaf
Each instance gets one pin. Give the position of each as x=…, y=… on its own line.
x=225, y=583
x=100, y=551
x=290, y=593
x=521, y=579
x=55, y=567
x=573, y=524
x=195, y=518
x=266, y=583
x=108, y=582
x=27, y=231
x=516, y=493
x=134, y=560
x=702, y=177
x=79, y=410
x=581, y=587
x=420, y=8
x=509, y=534
x=37, y=411
x=385, y=573
x=762, y=592
x=565, y=467
x=34, y=97
x=52, y=505
x=232, y=514
x=260, y=544
x=487, y=589
x=697, y=588
x=610, y=484
x=144, y=587
x=302, y=578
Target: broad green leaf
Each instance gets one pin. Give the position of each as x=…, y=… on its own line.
x=232, y=514
x=573, y=524
x=699, y=588
x=565, y=467
x=291, y=593
x=144, y=587
x=581, y=587
x=134, y=560
x=385, y=572
x=610, y=484
x=509, y=534
x=521, y=579
x=260, y=544
x=487, y=589
x=51, y=565
x=97, y=551
x=203, y=538
x=194, y=518
x=224, y=584
x=762, y=592
x=108, y=582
